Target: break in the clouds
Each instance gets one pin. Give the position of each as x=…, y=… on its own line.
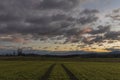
x=27, y=20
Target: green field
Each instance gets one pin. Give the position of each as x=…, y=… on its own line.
x=59, y=70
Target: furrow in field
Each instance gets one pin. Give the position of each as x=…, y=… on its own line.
x=95, y=70
x=48, y=72
x=58, y=73
x=71, y=75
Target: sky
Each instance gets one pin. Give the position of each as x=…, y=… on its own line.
x=60, y=25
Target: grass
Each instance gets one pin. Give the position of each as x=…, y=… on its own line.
x=95, y=70
x=22, y=70
x=71, y=59
x=82, y=70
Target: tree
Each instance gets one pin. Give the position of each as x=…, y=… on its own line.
x=19, y=51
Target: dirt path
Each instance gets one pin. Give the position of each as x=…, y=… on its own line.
x=48, y=72
x=70, y=74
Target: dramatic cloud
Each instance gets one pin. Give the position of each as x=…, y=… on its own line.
x=14, y=39
x=63, y=20
x=113, y=35
x=101, y=34
x=115, y=15
x=100, y=29
x=88, y=16
x=43, y=18
x=58, y=4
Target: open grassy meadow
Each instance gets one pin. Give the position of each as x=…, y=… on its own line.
x=59, y=70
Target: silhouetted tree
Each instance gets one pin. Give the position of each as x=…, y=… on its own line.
x=19, y=51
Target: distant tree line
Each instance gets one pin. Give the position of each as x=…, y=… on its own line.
x=89, y=55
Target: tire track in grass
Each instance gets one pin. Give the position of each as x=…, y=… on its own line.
x=48, y=72
x=70, y=74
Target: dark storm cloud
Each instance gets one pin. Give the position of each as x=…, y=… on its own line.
x=87, y=19
x=58, y=4
x=113, y=35
x=44, y=18
x=88, y=16
x=100, y=29
x=1, y=7
x=8, y=18
x=57, y=25
x=98, y=39
x=101, y=34
x=89, y=12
